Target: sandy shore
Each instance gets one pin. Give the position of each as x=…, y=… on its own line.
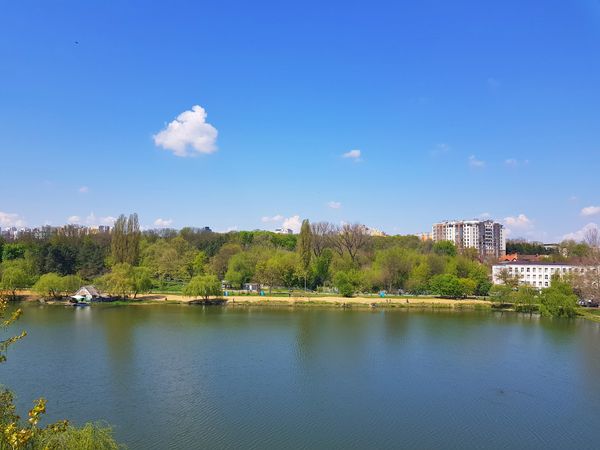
x=304, y=300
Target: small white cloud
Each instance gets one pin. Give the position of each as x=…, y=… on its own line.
x=275, y=218
x=11, y=220
x=163, y=223
x=573, y=198
x=352, y=154
x=189, y=134
x=476, y=163
x=579, y=235
x=590, y=211
x=513, y=163
x=91, y=220
x=334, y=205
x=84, y=189
x=293, y=223
x=485, y=215
x=521, y=222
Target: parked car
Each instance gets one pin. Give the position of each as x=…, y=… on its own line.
x=588, y=303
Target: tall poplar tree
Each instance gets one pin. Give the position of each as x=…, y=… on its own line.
x=305, y=245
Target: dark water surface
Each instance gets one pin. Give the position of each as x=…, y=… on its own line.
x=182, y=377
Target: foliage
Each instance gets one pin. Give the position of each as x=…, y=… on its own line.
x=558, y=300
x=305, y=245
x=52, y=285
x=13, y=279
x=125, y=240
x=203, y=286
x=447, y=285
x=16, y=435
x=347, y=282
x=444, y=248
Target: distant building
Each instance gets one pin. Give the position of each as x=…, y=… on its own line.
x=251, y=287
x=284, y=231
x=536, y=274
x=424, y=236
x=88, y=292
x=486, y=236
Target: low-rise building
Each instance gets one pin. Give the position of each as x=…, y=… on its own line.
x=534, y=273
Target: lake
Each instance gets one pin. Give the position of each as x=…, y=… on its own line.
x=182, y=377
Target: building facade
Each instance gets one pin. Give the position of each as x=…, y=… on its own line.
x=486, y=236
x=536, y=274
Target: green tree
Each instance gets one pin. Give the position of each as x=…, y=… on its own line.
x=119, y=282
x=347, y=282
x=444, y=248
x=558, y=300
x=49, y=285
x=13, y=279
x=204, y=286
x=525, y=299
x=447, y=285
x=418, y=280
x=142, y=280
x=125, y=240
x=392, y=267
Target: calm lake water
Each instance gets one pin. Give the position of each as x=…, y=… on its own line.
x=183, y=377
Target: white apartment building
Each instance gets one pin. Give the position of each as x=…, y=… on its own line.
x=486, y=236
x=536, y=274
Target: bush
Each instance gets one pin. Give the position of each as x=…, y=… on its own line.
x=347, y=282
x=447, y=285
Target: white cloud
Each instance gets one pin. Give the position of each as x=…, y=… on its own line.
x=513, y=163
x=590, y=211
x=476, y=163
x=11, y=220
x=163, y=223
x=352, y=154
x=293, y=223
x=579, y=235
x=334, y=205
x=275, y=218
x=91, y=220
x=520, y=221
x=485, y=215
x=84, y=189
x=189, y=134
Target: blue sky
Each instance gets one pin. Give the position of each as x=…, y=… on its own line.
x=459, y=109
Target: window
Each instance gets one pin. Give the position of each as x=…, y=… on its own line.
x=546, y=283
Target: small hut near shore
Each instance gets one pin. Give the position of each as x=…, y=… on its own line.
x=89, y=294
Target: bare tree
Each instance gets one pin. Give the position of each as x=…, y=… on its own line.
x=352, y=238
x=588, y=280
x=321, y=236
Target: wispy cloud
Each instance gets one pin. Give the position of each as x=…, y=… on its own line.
x=91, y=220
x=590, y=211
x=275, y=218
x=189, y=134
x=334, y=205
x=163, y=223
x=353, y=154
x=485, y=215
x=520, y=223
x=514, y=163
x=84, y=189
x=475, y=163
x=11, y=220
x=579, y=235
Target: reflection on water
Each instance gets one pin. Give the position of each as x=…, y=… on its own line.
x=189, y=376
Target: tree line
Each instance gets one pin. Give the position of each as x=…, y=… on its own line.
x=322, y=257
